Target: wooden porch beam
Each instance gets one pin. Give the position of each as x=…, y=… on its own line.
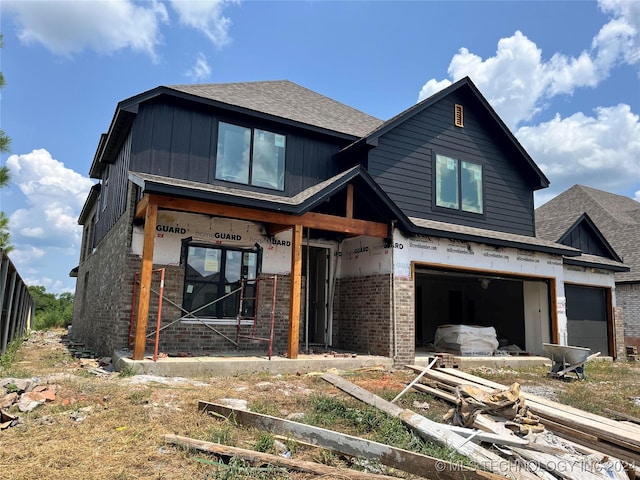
x=274, y=228
x=294, y=299
x=140, y=342
x=318, y=221
x=141, y=207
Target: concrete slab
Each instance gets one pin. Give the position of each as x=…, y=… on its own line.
x=232, y=365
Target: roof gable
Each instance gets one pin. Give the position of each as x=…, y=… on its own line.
x=615, y=217
x=467, y=86
x=584, y=234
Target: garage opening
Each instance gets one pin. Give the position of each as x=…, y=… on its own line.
x=518, y=308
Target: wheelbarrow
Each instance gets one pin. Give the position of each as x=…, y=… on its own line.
x=567, y=359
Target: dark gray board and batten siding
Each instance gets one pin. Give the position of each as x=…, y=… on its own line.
x=174, y=141
x=116, y=193
x=403, y=165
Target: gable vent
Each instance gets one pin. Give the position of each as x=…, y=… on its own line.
x=459, y=116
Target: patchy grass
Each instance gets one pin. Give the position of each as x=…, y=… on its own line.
x=121, y=435
x=8, y=359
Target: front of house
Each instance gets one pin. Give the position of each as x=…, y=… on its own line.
x=228, y=213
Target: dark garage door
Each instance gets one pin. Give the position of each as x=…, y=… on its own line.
x=587, y=318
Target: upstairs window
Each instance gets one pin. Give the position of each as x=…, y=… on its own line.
x=250, y=156
x=458, y=184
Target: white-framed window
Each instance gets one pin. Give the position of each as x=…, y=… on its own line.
x=458, y=184
x=250, y=156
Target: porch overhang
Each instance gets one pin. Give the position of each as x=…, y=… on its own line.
x=277, y=214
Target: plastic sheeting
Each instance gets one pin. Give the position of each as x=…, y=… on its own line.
x=466, y=339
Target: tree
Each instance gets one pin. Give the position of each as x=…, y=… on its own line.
x=51, y=311
x=5, y=177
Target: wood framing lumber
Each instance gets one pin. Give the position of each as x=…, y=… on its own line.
x=603, y=428
x=434, y=431
x=567, y=409
x=398, y=458
x=275, y=460
x=294, y=296
x=140, y=342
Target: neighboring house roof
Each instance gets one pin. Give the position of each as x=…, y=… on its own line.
x=464, y=84
x=287, y=100
x=301, y=203
x=490, y=237
x=617, y=217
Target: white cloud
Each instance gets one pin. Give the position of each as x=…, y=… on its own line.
x=519, y=83
x=66, y=27
x=621, y=36
x=201, y=70
x=206, y=16
x=602, y=151
x=55, y=195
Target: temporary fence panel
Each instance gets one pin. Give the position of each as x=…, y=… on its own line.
x=16, y=305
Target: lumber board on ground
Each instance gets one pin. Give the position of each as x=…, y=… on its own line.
x=404, y=460
x=434, y=431
x=596, y=425
x=275, y=460
x=632, y=429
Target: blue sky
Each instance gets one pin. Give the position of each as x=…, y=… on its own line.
x=564, y=76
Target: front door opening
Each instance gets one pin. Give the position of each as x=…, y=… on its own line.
x=317, y=272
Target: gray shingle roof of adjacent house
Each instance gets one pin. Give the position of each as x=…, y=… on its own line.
x=616, y=216
x=288, y=100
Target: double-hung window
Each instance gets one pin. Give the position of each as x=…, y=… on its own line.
x=214, y=272
x=458, y=185
x=250, y=156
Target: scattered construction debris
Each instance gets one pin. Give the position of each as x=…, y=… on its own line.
x=25, y=395
x=396, y=458
x=438, y=432
x=591, y=446
x=274, y=460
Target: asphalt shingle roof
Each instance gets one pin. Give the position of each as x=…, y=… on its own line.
x=616, y=216
x=524, y=241
x=287, y=100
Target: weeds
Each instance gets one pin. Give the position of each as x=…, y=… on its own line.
x=127, y=371
x=265, y=443
x=223, y=435
x=238, y=469
x=9, y=357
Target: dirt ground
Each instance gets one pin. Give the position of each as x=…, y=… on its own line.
x=109, y=426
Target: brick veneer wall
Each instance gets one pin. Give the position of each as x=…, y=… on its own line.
x=618, y=332
x=628, y=298
x=103, y=291
x=405, y=320
x=362, y=315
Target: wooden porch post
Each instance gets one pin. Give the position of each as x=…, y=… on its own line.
x=296, y=282
x=151, y=218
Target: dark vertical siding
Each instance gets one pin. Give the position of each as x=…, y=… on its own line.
x=402, y=164
x=583, y=238
x=117, y=192
x=176, y=141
